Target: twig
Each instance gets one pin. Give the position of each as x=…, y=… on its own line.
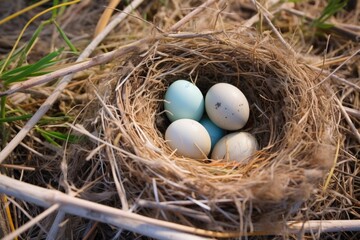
x=105, y=17
x=186, y=35
x=335, y=28
x=100, y=59
x=117, y=20
x=348, y=120
x=91, y=230
x=64, y=82
x=325, y=226
x=98, y=212
x=186, y=211
x=111, y=156
x=52, y=98
x=28, y=24
x=192, y=14
x=31, y=223
x=330, y=61
x=336, y=69
x=55, y=226
x=264, y=12
x=352, y=112
x=149, y=226
x=26, y=214
x=251, y=21
x=331, y=75
x=18, y=167
x=334, y=77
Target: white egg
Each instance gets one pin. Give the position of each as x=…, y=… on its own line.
x=236, y=146
x=227, y=106
x=189, y=138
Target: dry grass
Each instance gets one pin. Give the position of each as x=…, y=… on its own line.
x=306, y=170
x=284, y=103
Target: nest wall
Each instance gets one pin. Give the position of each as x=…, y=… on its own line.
x=292, y=116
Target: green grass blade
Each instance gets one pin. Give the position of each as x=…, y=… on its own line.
x=28, y=69
x=3, y=131
x=62, y=9
x=17, y=75
x=55, y=135
x=55, y=11
x=49, y=139
x=60, y=119
x=332, y=7
x=14, y=72
x=12, y=58
x=3, y=107
x=63, y=137
x=66, y=39
x=31, y=43
x=45, y=135
x=15, y=118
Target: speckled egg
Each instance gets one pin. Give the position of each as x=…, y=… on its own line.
x=184, y=99
x=227, y=106
x=237, y=146
x=189, y=138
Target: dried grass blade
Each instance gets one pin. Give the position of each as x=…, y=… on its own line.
x=105, y=17
x=27, y=25
x=31, y=223
x=332, y=168
x=192, y=14
x=14, y=15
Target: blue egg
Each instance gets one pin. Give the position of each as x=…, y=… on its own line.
x=184, y=100
x=214, y=131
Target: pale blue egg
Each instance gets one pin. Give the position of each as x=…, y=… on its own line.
x=184, y=100
x=214, y=131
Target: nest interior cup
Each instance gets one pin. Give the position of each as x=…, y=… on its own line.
x=293, y=119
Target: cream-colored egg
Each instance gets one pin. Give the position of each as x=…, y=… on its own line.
x=238, y=146
x=189, y=138
x=227, y=106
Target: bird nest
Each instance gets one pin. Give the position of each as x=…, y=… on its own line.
x=292, y=116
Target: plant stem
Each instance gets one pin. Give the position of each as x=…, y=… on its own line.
x=2, y=126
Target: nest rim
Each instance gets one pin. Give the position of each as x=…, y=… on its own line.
x=295, y=149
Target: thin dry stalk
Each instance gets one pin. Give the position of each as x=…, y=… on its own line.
x=64, y=82
x=117, y=217
x=191, y=15
x=95, y=211
x=293, y=130
x=77, y=67
x=287, y=45
x=264, y=12
x=31, y=223
x=105, y=17
x=338, y=28
x=325, y=226
x=352, y=112
x=348, y=120
x=55, y=226
x=338, y=67
x=26, y=214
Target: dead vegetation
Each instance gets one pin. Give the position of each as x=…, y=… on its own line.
x=101, y=138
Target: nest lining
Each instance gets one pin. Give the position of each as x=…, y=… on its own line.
x=293, y=120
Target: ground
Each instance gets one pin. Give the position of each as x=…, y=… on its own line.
x=324, y=35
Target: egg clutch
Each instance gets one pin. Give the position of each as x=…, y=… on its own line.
x=211, y=125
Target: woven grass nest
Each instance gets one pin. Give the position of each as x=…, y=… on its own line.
x=292, y=116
